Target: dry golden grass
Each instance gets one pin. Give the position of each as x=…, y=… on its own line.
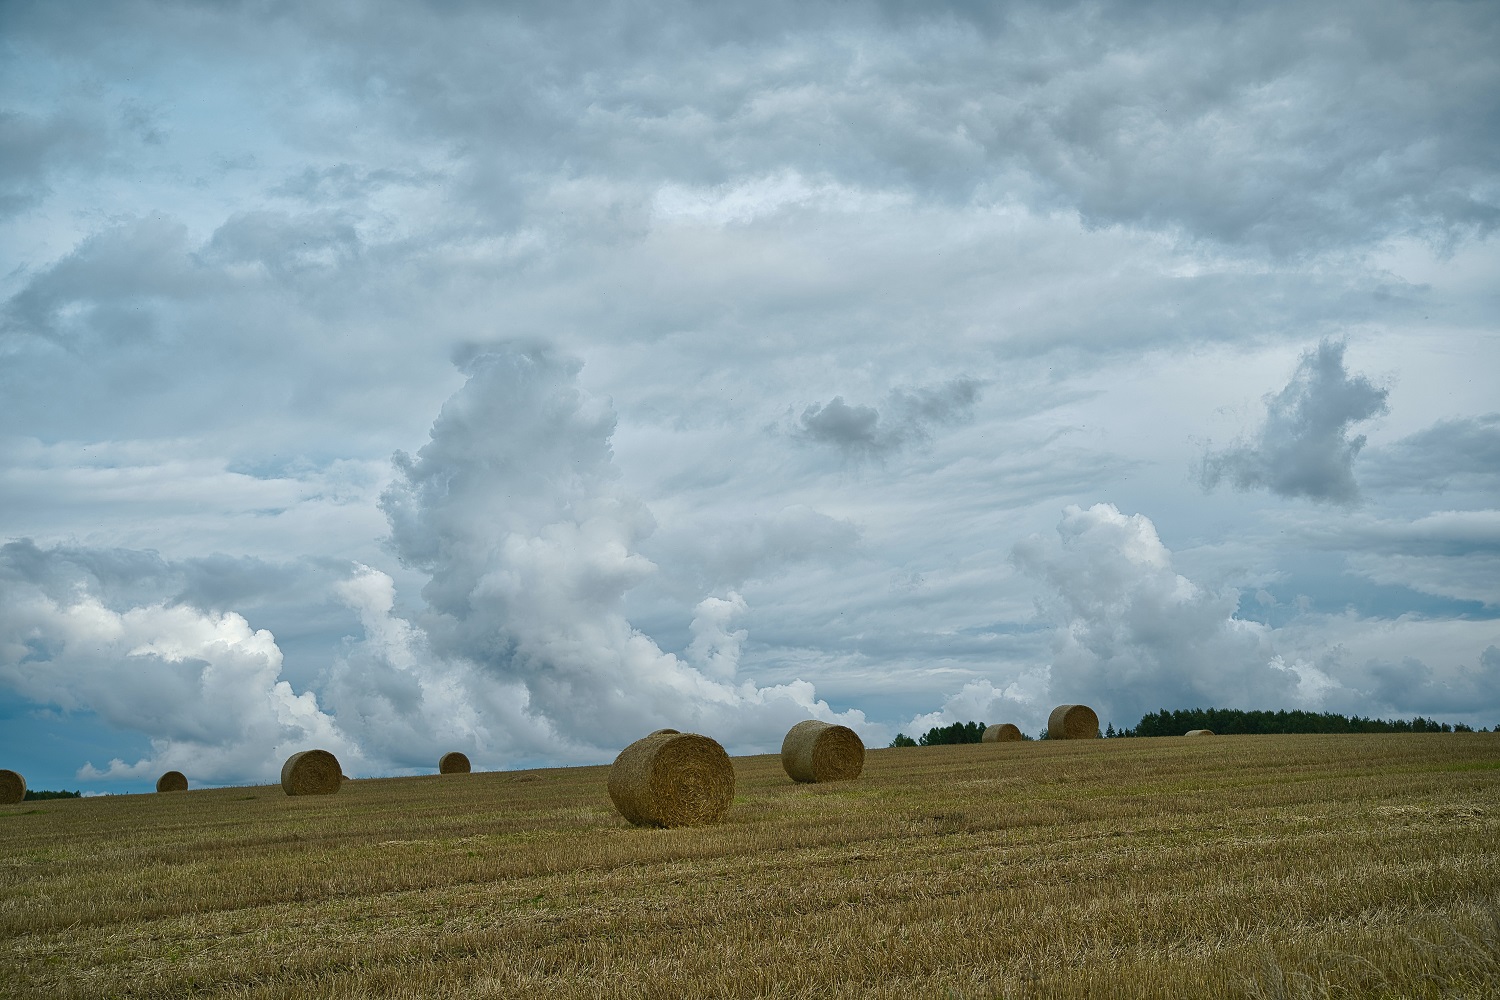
x=1294, y=866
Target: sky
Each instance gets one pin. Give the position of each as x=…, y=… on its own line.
x=398, y=378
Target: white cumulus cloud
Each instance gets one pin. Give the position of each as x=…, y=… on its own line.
x=204, y=686
x=1132, y=635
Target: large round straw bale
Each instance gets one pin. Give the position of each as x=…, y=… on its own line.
x=311, y=772
x=818, y=751
x=1200, y=732
x=672, y=779
x=172, y=781
x=12, y=787
x=1072, y=722
x=453, y=762
x=1002, y=732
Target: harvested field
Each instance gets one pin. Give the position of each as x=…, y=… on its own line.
x=1255, y=866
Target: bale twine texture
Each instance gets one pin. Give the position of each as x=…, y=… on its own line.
x=1200, y=732
x=1072, y=722
x=172, y=781
x=818, y=751
x=311, y=772
x=453, y=762
x=12, y=787
x=672, y=779
x=1002, y=732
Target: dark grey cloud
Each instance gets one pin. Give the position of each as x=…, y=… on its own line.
x=308, y=246
x=1293, y=129
x=1304, y=448
x=84, y=137
x=1463, y=453
x=909, y=417
x=121, y=578
x=347, y=182
x=1412, y=686
x=101, y=290
x=36, y=145
x=1442, y=533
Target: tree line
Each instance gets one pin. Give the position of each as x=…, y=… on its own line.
x=959, y=732
x=1224, y=721
x=1234, y=721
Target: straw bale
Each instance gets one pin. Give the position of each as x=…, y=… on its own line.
x=1072, y=722
x=1002, y=732
x=311, y=772
x=1200, y=732
x=663, y=732
x=12, y=787
x=672, y=779
x=818, y=751
x=172, y=781
x=453, y=762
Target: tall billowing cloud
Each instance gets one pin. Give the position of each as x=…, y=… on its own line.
x=1132, y=635
x=513, y=510
x=1304, y=448
x=205, y=686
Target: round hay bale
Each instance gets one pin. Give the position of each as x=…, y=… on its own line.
x=1200, y=732
x=1003, y=732
x=672, y=779
x=311, y=772
x=12, y=787
x=453, y=762
x=172, y=781
x=663, y=732
x=1072, y=722
x=818, y=751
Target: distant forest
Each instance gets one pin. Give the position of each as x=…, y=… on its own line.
x=1224, y=721
x=1227, y=721
x=959, y=732
x=31, y=796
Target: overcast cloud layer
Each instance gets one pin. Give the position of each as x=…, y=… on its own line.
x=400, y=378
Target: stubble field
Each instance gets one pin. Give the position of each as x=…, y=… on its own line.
x=1272, y=866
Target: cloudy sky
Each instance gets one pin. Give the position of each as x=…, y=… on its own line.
x=399, y=378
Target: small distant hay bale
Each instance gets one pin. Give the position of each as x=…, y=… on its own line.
x=1200, y=732
x=663, y=732
x=311, y=772
x=12, y=787
x=1003, y=732
x=172, y=781
x=816, y=751
x=672, y=779
x=1072, y=722
x=453, y=762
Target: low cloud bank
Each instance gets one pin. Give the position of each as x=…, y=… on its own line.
x=205, y=686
